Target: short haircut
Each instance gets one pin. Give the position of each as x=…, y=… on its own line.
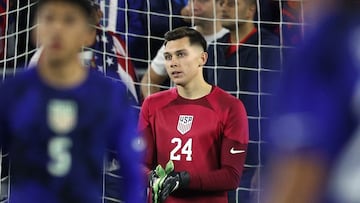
x=86, y=5
x=195, y=38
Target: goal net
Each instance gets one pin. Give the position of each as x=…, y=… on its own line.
x=140, y=25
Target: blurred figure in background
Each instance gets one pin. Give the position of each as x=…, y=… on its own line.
x=244, y=66
x=125, y=17
x=315, y=135
x=143, y=23
x=292, y=22
x=159, y=23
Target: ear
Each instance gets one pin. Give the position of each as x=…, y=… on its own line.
x=251, y=11
x=89, y=38
x=36, y=41
x=203, y=58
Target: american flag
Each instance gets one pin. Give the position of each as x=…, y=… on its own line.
x=110, y=57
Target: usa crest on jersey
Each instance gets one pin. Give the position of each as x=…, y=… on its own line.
x=62, y=115
x=185, y=123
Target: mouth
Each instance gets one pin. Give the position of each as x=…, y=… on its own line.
x=224, y=16
x=56, y=46
x=176, y=74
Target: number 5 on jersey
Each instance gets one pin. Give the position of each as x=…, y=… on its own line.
x=185, y=149
x=59, y=152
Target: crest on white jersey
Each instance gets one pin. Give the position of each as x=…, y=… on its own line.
x=62, y=116
x=185, y=123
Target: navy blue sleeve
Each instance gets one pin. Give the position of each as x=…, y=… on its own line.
x=129, y=147
x=134, y=18
x=160, y=24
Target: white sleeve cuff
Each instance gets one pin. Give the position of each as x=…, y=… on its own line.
x=158, y=63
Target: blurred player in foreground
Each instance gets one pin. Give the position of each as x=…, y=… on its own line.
x=315, y=137
x=58, y=119
x=201, y=128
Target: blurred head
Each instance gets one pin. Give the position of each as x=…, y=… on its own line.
x=209, y=9
x=233, y=12
x=185, y=55
x=63, y=28
x=96, y=12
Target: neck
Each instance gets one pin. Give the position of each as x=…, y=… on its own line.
x=62, y=75
x=209, y=27
x=237, y=35
x=194, y=90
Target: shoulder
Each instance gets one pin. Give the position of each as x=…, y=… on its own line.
x=269, y=38
x=221, y=43
x=19, y=80
x=224, y=100
x=160, y=99
x=12, y=87
x=225, y=38
x=105, y=84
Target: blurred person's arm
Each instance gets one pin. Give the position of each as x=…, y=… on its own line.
x=151, y=81
x=128, y=144
x=161, y=24
x=185, y=12
x=155, y=75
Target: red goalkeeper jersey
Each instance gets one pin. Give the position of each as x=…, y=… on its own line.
x=206, y=137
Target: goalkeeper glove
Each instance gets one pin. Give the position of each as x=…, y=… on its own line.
x=157, y=178
x=172, y=182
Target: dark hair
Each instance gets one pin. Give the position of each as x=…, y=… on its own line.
x=194, y=36
x=86, y=5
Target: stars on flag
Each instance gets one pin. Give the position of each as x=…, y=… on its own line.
x=109, y=61
x=104, y=39
x=113, y=50
x=100, y=68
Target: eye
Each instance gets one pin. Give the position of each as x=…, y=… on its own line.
x=203, y=1
x=180, y=54
x=70, y=19
x=168, y=57
x=47, y=18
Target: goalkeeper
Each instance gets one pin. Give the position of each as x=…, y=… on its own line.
x=199, y=127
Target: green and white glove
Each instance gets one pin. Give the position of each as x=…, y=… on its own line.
x=158, y=177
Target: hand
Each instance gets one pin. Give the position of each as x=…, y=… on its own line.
x=172, y=182
x=186, y=13
x=157, y=178
x=152, y=177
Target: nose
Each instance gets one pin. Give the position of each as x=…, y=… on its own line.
x=173, y=62
x=194, y=5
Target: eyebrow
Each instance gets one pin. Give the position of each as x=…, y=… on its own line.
x=177, y=51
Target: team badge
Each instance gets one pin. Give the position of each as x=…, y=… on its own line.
x=62, y=115
x=185, y=123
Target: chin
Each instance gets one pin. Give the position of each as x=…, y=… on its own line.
x=56, y=61
x=177, y=81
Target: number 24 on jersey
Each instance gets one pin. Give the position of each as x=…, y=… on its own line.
x=180, y=149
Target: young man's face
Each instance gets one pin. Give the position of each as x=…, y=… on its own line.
x=63, y=30
x=233, y=12
x=208, y=9
x=183, y=61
